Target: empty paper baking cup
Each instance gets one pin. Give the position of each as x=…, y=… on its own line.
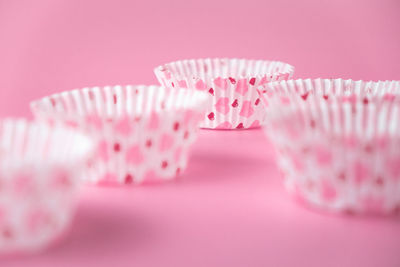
x=230, y=84
x=338, y=142
x=40, y=170
x=143, y=133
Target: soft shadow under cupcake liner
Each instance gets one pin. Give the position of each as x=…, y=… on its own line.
x=143, y=133
x=337, y=142
x=40, y=177
x=230, y=84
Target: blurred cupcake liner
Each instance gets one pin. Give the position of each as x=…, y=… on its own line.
x=40, y=169
x=143, y=133
x=337, y=142
x=230, y=84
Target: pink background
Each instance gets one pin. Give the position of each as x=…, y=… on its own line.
x=52, y=45
x=239, y=215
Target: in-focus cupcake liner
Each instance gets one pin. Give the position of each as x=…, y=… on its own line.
x=40, y=169
x=231, y=85
x=338, y=142
x=142, y=132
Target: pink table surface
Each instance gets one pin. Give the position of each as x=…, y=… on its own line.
x=228, y=209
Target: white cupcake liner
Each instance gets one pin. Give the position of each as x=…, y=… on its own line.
x=40, y=169
x=231, y=85
x=143, y=133
x=338, y=142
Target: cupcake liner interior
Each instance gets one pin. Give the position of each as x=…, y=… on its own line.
x=110, y=102
x=336, y=107
x=212, y=68
x=23, y=142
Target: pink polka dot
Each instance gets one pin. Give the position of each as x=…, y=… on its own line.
x=242, y=87
x=23, y=184
x=382, y=141
x=221, y=83
x=128, y=179
x=263, y=80
x=305, y=96
x=351, y=99
x=72, y=124
x=285, y=100
x=134, y=155
x=166, y=142
x=222, y=105
x=153, y=121
x=200, y=85
x=182, y=84
x=240, y=126
x=350, y=141
x=37, y=220
x=164, y=164
x=53, y=102
x=389, y=97
x=247, y=109
x=123, y=127
x=235, y=103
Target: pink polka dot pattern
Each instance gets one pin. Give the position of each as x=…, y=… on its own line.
x=134, y=155
x=247, y=109
x=222, y=105
x=221, y=83
x=338, y=142
x=38, y=184
x=231, y=83
x=124, y=127
x=138, y=129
